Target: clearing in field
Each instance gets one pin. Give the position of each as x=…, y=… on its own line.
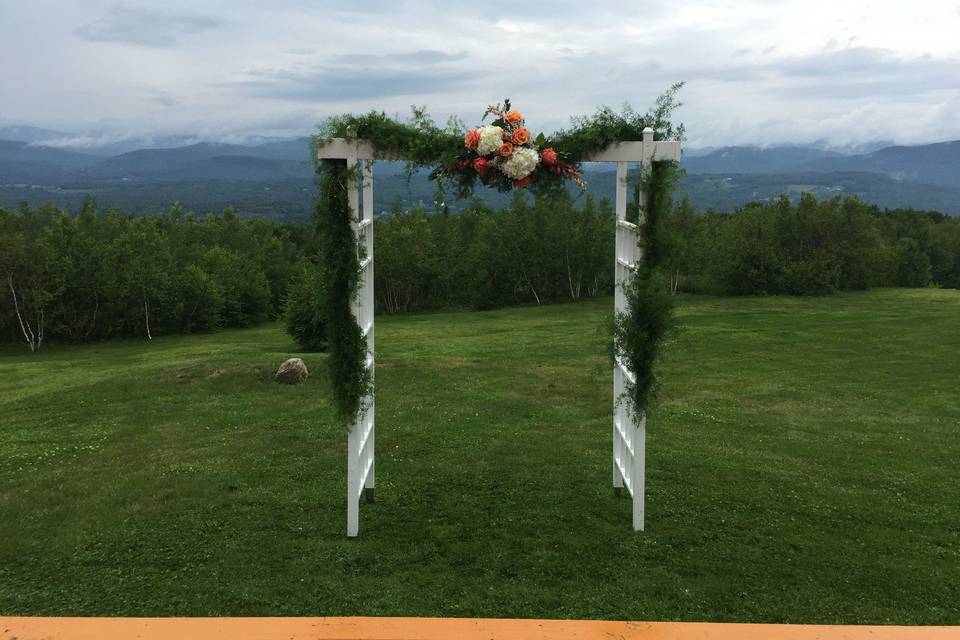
x=801, y=468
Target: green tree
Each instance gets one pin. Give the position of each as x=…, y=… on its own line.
x=748, y=258
x=246, y=292
x=33, y=274
x=681, y=229
x=304, y=312
x=491, y=277
x=144, y=278
x=200, y=300
x=945, y=253
x=913, y=265
x=76, y=242
x=405, y=261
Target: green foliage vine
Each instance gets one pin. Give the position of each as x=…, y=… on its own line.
x=349, y=375
x=638, y=332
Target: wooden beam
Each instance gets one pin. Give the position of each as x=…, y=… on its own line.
x=340, y=149
x=629, y=151
x=438, y=629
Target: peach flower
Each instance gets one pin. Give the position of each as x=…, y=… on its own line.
x=548, y=156
x=505, y=149
x=521, y=136
x=523, y=183
x=472, y=139
x=513, y=117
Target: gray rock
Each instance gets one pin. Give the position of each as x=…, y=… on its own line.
x=293, y=371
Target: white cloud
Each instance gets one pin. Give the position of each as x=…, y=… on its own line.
x=757, y=71
x=143, y=26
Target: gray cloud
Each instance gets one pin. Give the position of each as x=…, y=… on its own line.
x=165, y=100
x=339, y=84
x=143, y=27
x=424, y=57
x=356, y=76
x=858, y=71
x=836, y=63
x=865, y=72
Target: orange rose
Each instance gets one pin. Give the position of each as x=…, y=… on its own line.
x=513, y=117
x=549, y=156
x=480, y=165
x=505, y=149
x=521, y=136
x=472, y=139
x=523, y=183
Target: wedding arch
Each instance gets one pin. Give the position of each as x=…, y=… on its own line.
x=352, y=271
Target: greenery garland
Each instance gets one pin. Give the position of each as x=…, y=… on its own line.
x=350, y=378
x=638, y=332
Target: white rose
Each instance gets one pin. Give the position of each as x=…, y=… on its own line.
x=521, y=163
x=490, y=140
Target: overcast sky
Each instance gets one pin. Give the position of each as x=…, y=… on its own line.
x=757, y=72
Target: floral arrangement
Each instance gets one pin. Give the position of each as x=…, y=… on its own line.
x=505, y=155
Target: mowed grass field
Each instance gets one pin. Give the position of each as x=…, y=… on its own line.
x=803, y=466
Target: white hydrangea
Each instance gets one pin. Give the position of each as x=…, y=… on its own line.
x=490, y=140
x=521, y=163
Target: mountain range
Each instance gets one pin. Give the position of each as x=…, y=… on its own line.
x=209, y=176
x=937, y=163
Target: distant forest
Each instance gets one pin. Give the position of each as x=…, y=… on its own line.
x=275, y=180
x=290, y=199
x=93, y=274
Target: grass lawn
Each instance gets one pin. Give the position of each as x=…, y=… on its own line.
x=803, y=466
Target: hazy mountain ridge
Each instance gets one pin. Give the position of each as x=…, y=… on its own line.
x=937, y=163
x=30, y=134
x=23, y=162
x=208, y=160
x=250, y=177
x=105, y=144
x=751, y=159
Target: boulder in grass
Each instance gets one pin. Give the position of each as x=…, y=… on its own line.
x=293, y=371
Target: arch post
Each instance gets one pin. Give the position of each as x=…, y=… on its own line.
x=630, y=430
x=361, y=439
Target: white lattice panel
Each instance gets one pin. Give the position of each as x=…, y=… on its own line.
x=361, y=441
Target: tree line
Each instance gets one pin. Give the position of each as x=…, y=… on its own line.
x=812, y=247
x=561, y=249
x=105, y=274
x=98, y=274
x=532, y=251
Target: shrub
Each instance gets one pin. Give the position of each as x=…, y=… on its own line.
x=303, y=314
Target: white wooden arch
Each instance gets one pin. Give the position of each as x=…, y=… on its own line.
x=629, y=433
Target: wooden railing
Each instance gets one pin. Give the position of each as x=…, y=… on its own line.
x=437, y=629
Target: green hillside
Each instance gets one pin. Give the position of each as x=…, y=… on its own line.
x=802, y=468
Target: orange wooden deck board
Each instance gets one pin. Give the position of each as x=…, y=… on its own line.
x=25, y=628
